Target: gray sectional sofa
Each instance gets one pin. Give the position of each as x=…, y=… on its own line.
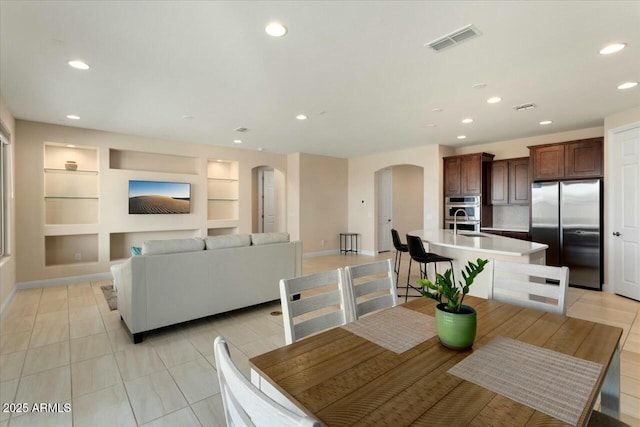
x=174, y=281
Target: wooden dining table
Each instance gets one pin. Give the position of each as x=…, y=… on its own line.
x=342, y=379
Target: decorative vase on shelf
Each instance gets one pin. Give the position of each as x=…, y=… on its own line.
x=456, y=323
x=71, y=165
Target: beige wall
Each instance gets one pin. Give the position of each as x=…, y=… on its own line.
x=8, y=262
x=323, y=202
x=113, y=193
x=408, y=198
x=362, y=206
x=293, y=196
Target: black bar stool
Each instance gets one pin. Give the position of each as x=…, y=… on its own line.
x=400, y=249
x=422, y=257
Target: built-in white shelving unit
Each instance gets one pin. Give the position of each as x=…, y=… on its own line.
x=222, y=197
x=71, y=204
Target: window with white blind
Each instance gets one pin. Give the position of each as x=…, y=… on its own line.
x=4, y=190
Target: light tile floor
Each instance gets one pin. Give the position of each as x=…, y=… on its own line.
x=63, y=345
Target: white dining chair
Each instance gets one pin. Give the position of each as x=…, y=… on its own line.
x=313, y=303
x=527, y=285
x=371, y=287
x=244, y=404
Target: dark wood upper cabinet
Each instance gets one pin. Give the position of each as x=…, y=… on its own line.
x=471, y=174
x=547, y=162
x=463, y=174
x=519, y=187
x=452, y=176
x=500, y=182
x=510, y=182
x=584, y=158
x=572, y=159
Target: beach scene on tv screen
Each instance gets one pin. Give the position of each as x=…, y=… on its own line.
x=151, y=197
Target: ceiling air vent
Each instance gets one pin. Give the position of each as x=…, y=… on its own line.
x=454, y=38
x=241, y=129
x=523, y=107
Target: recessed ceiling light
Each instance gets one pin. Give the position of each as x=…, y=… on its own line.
x=301, y=117
x=494, y=100
x=546, y=122
x=276, y=29
x=612, y=48
x=628, y=85
x=187, y=117
x=461, y=137
x=479, y=86
x=260, y=149
x=437, y=110
x=71, y=146
x=237, y=141
x=465, y=121
x=77, y=64
x=73, y=117
x=430, y=125
x=219, y=161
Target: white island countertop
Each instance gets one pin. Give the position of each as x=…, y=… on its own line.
x=479, y=242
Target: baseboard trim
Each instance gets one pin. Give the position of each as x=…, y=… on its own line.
x=335, y=252
x=320, y=253
x=62, y=280
x=5, y=305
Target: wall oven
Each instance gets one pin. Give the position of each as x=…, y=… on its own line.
x=469, y=204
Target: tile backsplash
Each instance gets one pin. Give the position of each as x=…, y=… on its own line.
x=511, y=216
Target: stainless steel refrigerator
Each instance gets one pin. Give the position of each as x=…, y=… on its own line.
x=567, y=216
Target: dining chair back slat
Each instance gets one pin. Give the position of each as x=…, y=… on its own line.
x=313, y=303
x=244, y=404
x=528, y=285
x=369, y=287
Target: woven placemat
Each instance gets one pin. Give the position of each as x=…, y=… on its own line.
x=556, y=384
x=397, y=329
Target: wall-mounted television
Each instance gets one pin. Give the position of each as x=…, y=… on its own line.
x=154, y=197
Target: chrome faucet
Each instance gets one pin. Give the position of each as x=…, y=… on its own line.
x=455, y=220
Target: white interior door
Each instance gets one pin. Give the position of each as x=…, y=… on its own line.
x=385, y=205
x=625, y=171
x=267, y=202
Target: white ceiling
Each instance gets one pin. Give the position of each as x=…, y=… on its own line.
x=362, y=63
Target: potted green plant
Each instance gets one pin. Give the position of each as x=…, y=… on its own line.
x=455, y=321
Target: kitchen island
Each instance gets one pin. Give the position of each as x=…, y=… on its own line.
x=469, y=246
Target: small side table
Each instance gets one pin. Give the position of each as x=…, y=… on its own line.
x=350, y=237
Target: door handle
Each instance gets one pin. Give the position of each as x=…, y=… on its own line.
x=616, y=233
x=388, y=220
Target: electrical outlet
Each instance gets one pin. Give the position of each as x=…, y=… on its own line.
x=78, y=256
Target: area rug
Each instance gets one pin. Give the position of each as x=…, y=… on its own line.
x=111, y=295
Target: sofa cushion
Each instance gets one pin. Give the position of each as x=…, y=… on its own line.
x=172, y=246
x=227, y=241
x=269, y=238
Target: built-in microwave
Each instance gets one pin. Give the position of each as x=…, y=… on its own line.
x=463, y=200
